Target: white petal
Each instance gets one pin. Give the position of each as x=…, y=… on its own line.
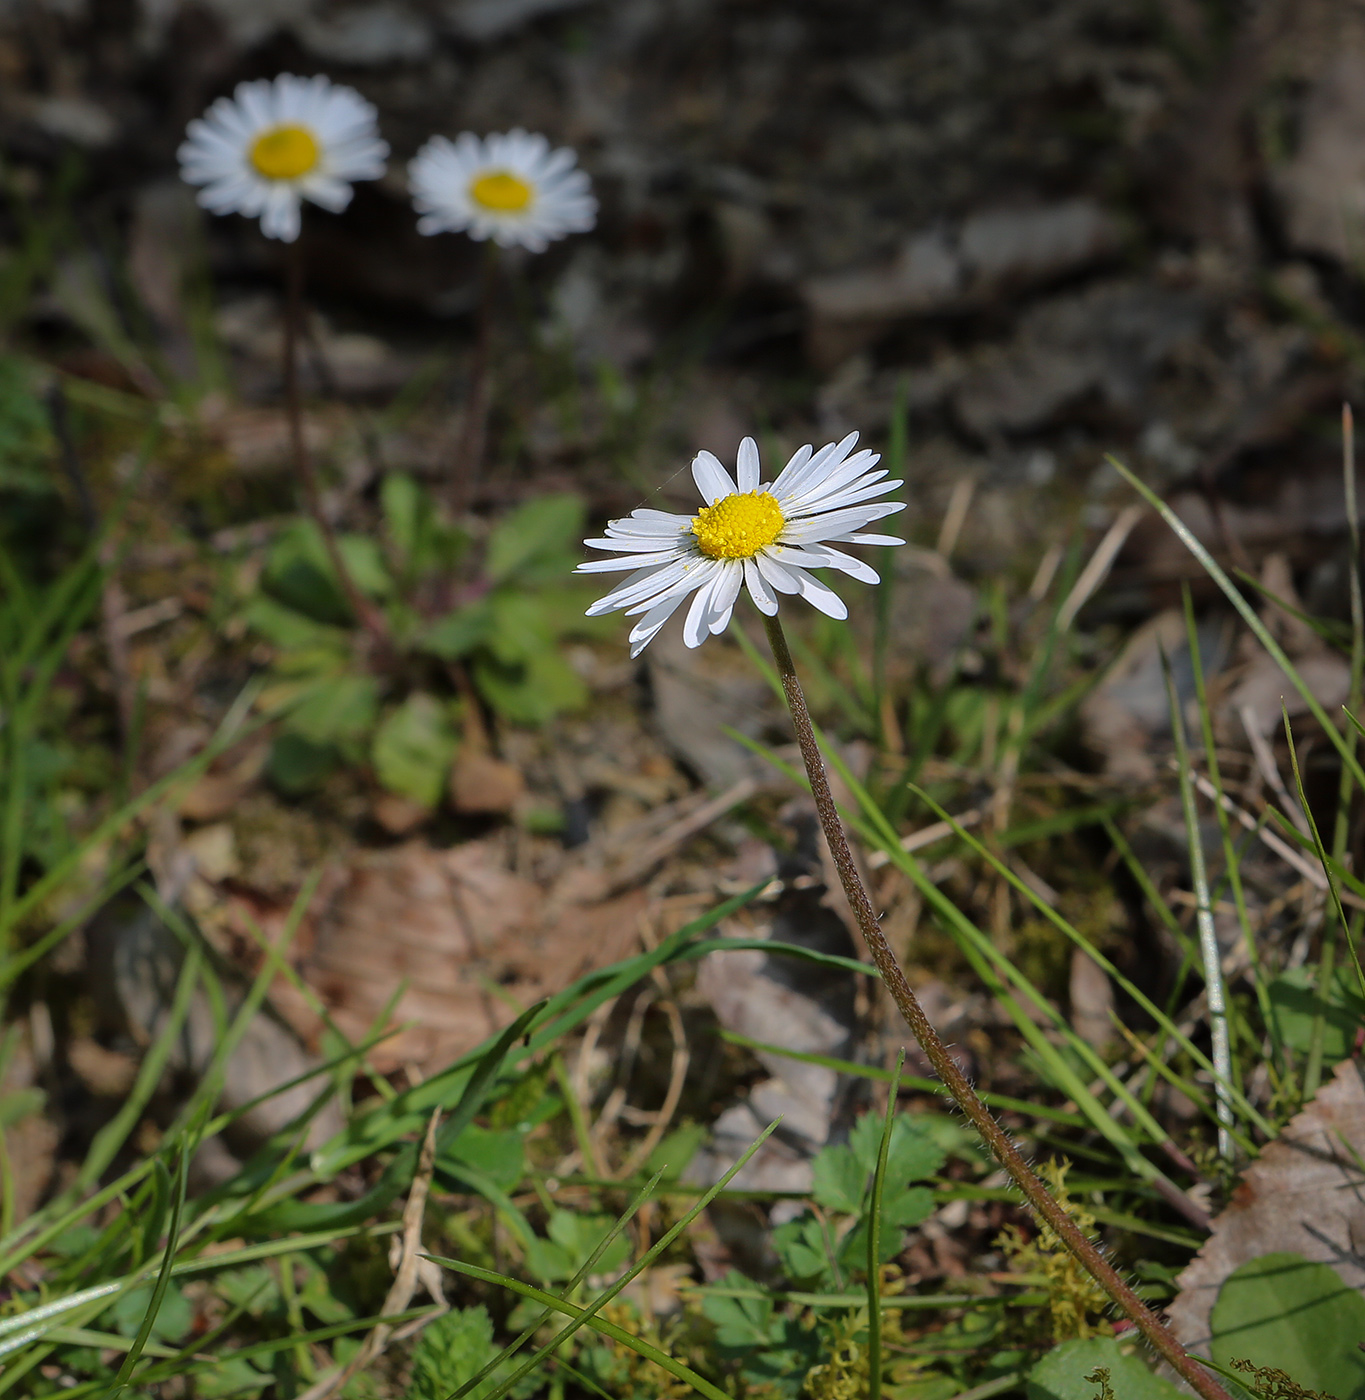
x=713, y=481
x=777, y=574
x=648, y=626
x=765, y=600
x=327, y=191
x=629, y=561
x=690, y=575
x=649, y=513
x=281, y=217
x=852, y=476
x=747, y=469
x=628, y=544
x=698, y=615
x=796, y=477
x=795, y=464
x=645, y=587
x=848, y=496
x=837, y=522
x=823, y=557
x=723, y=594
x=818, y=596
x=867, y=539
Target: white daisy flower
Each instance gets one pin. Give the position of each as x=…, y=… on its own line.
x=272, y=145
x=764, y=537
x=511, y=188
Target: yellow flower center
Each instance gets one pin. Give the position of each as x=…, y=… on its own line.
x=737, y=527
x=501, y=191
x=284, y=152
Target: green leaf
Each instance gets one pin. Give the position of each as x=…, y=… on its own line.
x=914, y=1154
x=535, y=538
x=231, y=1376
x=297, y=765
x=298, y=574
x=290, y=629
x=407, y=509
x=519, y=628
x=800, y=1245
x=531, y=693
x=459, y=632
x=573, y=1237
x=344, y=707
x=674, y=1153
x=365, y=564
x=255, y=1288
x=741, y=1323
x=840, y=1179
x=413, y=749
x=173, y=1317
x=1284, y=1311
x=1061, y=1374
x=1294, y=1005
x=451, y=1350
x=499, y=1153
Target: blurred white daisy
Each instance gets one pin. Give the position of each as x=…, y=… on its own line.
x=272, y=145
x=764, y=537
x=511, y=188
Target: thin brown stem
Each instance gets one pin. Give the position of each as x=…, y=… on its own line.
x=469, y=449
x=369, y=616
x=957, y=1084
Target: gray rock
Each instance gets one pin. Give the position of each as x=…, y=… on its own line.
x=1110, y=338
x=1320, y=191
x=951, y=269
x=135, y=961
x=486, y=20
x=367, y=36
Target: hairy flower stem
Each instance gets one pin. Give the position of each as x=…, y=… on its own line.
x=469, y=450
x=957, y=1084
x=369, y=616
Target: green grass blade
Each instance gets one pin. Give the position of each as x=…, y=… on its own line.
x=1215, y=992
x=1322, y=852
x=589, y=1315
x=163, y=1278
x=909, y=1081
x=584, y=1271
x=874, y=1241
x=1248, y=615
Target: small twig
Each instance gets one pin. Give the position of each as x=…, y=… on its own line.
x=369, y=616
x=1310, y=872
x=926, y=836
x=959, y=503
x=1268, y=768
x=410, y=1268
x=957, y=1083
x=682, y=1058
x=1097, y=569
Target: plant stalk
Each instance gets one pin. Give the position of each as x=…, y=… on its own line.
x=469, y=449
x=367, y=615
x=957, y=1084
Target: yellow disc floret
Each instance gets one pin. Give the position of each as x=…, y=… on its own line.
x=738, y=526
x=284, y=152
x=500, y=191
